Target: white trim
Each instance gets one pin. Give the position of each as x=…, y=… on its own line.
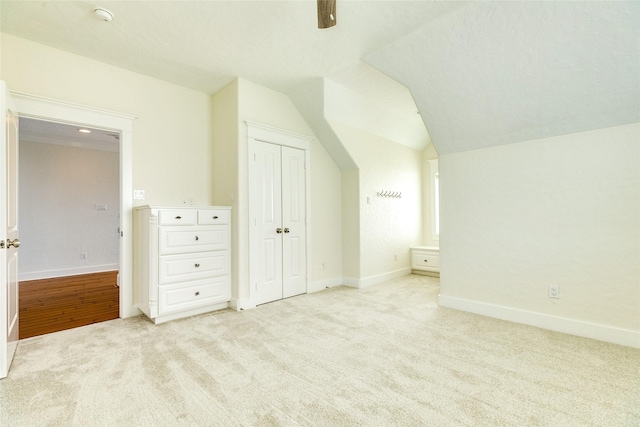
x=190, y=313
x=321, y=285
x=239, y=304
x=38, y=107
x=49, y=274
x=374, y=280
x=580, y=328
x=257, y=132
x=64, y=112
x=352, y=282
x=264, y=133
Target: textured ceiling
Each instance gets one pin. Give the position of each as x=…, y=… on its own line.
x=205, y=44
x=495, y=73
x=481, y=73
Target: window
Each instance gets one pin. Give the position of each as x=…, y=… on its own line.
x=435, y=199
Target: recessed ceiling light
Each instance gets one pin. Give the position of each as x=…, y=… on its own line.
x=84, y=130
x=103, y=14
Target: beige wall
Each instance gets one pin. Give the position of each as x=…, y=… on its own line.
x=225, y=165
x=261, y=105
x=351, y=248
x=388, y=226
x=172, y=151
x=562, y=210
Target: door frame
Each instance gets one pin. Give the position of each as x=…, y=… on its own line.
x=257, y=132
x=41, y=108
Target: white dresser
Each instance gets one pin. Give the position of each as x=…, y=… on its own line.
x=182, y=258
x=425, y=260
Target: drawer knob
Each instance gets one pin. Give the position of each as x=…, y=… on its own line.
x=178, y=217
x=197, y=265
x=215, y=217
x=197, y=293
x=426, y=260
x=197, y=238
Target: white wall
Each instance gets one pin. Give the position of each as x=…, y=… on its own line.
x=351, y=247
x=59, y=189
x=326, y=219
x=225, y=167
x=563, y=210
x=172, y=151
x=388, y=226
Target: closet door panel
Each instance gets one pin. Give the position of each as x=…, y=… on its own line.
x=266, y=195
x=293, y=221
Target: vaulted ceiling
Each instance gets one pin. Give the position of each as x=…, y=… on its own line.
x=481, y=73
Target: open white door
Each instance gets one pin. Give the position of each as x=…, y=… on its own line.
x=9, y=242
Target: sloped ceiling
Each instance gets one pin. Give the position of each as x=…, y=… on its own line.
x=365, y=98
x=204, y=45
x=481, y=73
x=495, y=73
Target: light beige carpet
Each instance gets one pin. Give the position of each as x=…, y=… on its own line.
x=382, y=356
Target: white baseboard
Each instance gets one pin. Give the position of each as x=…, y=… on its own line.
x=374, y=280
x=580, y=328
x=49, y=274
x=239, y=304
x=321, y=285
x=130, y=311
x=351, y=282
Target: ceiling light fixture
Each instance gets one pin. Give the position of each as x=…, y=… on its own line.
x=84, y=130
x=103, y=14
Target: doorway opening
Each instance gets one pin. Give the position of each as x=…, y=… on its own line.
x=69, y=217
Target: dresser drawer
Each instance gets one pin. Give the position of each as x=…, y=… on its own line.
x=421, y=259
x=184, y=296
x=179, y=240
x=187, y=267
x=213, y=216
x=177, y=217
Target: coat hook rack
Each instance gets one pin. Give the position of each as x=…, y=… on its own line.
x=390, y=194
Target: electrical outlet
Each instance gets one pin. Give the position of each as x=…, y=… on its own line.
x=324, y=265
x=554, y=291
x=83, y=255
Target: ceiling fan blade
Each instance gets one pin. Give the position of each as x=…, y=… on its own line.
x=326, y=13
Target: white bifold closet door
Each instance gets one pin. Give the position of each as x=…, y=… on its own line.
x=278, y=194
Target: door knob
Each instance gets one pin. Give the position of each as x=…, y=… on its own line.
x=278, y=230
x=15, y=243
x=286, y=230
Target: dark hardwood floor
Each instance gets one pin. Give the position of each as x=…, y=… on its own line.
x=52, y=305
